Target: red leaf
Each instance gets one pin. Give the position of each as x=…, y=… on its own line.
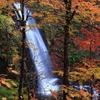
x=32, y=90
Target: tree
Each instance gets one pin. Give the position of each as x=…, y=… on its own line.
x=9, y=7
x=66, y=45
x=88, y=36
x=68, y=18
x=22, y=73
x=86, y=17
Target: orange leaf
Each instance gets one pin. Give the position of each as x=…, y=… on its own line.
x=83, y=93
x=5, y=83
x=4, y=98
x=15, y=72
x=9, y=68
x=3, y=75
x=55, y=95
x=68, y=98
x=34, y=95
x=11, y=64
x=33, y=99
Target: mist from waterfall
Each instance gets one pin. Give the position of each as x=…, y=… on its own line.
x=39, y=54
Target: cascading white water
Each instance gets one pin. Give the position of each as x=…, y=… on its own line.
x=39, y=54
x=87, y=88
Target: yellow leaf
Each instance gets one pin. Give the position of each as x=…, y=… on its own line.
x=14, y=83
x=60, y=73
x=35, y=48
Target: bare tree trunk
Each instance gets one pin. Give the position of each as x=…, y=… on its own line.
x=23, y=23
x=66, y=46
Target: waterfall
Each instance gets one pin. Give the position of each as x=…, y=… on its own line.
x=39, y=54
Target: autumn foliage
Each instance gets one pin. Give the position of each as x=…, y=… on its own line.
x=84, y=34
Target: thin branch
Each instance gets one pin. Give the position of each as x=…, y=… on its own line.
x=28, y=12
x=74, y=12
x=91, y=25
x=16, y=11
